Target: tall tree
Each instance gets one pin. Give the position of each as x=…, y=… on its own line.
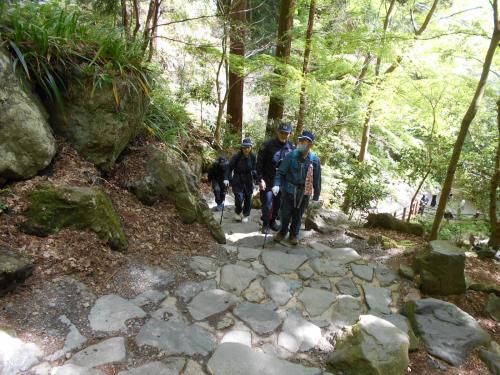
x=283, y=46
x=495, y=181
x=467, y=120
x=236, y=77
x=305, y=68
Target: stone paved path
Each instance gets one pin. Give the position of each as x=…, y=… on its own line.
x=275, y=310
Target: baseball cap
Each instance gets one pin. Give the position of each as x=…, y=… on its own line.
x=307, y=135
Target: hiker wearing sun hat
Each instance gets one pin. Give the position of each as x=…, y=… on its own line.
x=242, y=174
x=299, y=179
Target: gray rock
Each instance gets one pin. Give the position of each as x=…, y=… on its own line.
x=236, y=279
x=176, y=338
x=203, y=265
x=342, y=255
x=492, y=360
x=441, y=268
x=189, y=289
x=255, y=292
x=248, y=253
x=378, y=299
x=280, y=262
x=148, y=296
x=259, y=268
x=238, y=336
x=224, y=323
x=319, y=283
x=277, y=288
x=41, y=369
x=14, y=268
x=345, y=312
x=347, y=286
x=492, y=307
x=110, y=313
x=74, y=340
x=17, y=356
x=174, y=367
x=385, y=275
x=362, y=271
x=232, y=359
x=306, y=273
x=112, y=350
x=406, y=272
x=22, y=114
x=328, y=267
x=70, y=369
x=168, y=311
x=142, y=278
x=260, y=318
x=404, y=325
x=325, y=221
x=298, y=334
x=316, y=301
x=211, y=302
x=193, y=368
x=448, y=332
x=372, y=346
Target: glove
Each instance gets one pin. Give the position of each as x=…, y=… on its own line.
x=226, y=183
x=262, y=185
x=275, y=190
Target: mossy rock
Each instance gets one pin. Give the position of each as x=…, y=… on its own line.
x=385, y=242
x=54, y=208
x=388, y=221
x=14, y=269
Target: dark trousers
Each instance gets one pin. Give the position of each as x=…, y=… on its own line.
x=242, y=197
x=219, y=191
x=291, y=213
x=270, y=204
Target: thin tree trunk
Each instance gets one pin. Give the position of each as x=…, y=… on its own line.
x=125, y=21
x=427, y=18
x=154, y=30
x=223, y=7
x=147, y=28
x=418, y=190
x=305, y=69
x=283, y=45
x=137, y=19
x=495, y=181
x=469, y=116
x=236, y=79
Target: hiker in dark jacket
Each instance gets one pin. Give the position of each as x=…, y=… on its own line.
x=242, y=174
x=216, y=176
x=298, y=178
x=270, y=155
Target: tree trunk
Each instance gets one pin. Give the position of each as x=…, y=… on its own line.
x=469, y=116
x=283, y=45
x=125, y=21
x=427, y=19
x=305, y=69
x=495, y=181
x=137, y=19
x=154, y=29
x=147, y=28
x=418, y=190
x=236, y=79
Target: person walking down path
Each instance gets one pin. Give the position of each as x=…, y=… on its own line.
x=272, y=152
x=298, y=178
x=216, y=176
x=242, y=174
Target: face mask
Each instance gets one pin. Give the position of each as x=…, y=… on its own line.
x=301, y=147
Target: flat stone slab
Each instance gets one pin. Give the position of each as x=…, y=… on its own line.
x=277, y=288
x=189, y=289
x=298, y=334
x=378, y=299
x=342, y=255
x=110, y=313
x=17, y=356
x=319, y=283
x=262, y=319
x=211, y=302
x=362, y=271
x=203, y=265
x=316, y=301
x=233, y=359
x=255, y=292
x=238, y=336
x=74, y=340
x=448, y=332
x=346, y=311
x=174, y=367
x=347, y=286
x=193, y=368
x=70, y=369
x=112, y=350
x=248, y=253
x=328, y=267
x=281, y=262
x=385, y=275
x=235, y=278
x=148, y=296
x=176, y=338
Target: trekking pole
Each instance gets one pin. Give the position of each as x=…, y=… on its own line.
x=223, y=206
x=267, y=227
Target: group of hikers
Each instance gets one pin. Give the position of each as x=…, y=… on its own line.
x=288, y=177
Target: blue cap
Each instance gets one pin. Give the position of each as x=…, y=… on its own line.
x=247, y=142
x=285, y=127
x=307, y=135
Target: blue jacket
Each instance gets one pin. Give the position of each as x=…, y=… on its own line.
x=291, y=174
x=270, y=156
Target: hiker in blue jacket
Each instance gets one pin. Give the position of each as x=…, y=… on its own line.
x=242, y=174
x=298, y=178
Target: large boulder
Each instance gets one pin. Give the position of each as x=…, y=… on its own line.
x=26, y=142
x=100, y=120
x=372, y=346
x=54, y=208
x=387, y=221
x=441, y=267
x=169, y=177
x=325, y=221
x=447, y=332
x=14, y=269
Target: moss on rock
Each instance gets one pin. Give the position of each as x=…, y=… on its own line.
x=53, y=208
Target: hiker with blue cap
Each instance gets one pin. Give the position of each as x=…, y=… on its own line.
x=299, y=179
x=272, y=152
x=242, y=174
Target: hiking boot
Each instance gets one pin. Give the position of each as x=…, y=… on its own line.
x=237, y=217
x=245, y=219
x=278, y=237
x=274, y=226
x=293, y=240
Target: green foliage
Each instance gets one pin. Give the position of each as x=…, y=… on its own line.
x=459, y=230
x=55, y=41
